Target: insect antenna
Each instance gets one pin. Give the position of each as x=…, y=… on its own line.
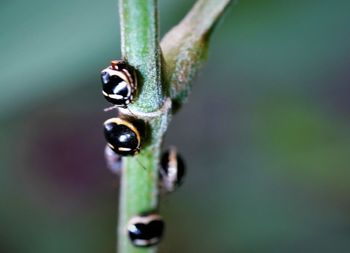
x=131, y=112
x=140, y=163
x=110, y=108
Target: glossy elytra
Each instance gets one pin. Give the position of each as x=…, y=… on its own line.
x=145, y=231
x=172, y=170
x=119, y=83
x=122, y=136
x=114, y=161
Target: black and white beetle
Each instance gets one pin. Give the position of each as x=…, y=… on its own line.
x=114, y=161
x=146, y=230
x=119, y=83
x=172, y=170
x=122, y=136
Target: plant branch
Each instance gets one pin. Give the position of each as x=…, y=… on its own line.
x=185, y=46
x=140, y=47
x=139, y=180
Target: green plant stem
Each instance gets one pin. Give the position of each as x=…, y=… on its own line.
x=139, y=181
x=185, y=48
x=140, y=47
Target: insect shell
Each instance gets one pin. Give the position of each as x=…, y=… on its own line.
x=114, y=161
x=122, y=136
x=145, y=230
x=119, y=83
x=172, y=170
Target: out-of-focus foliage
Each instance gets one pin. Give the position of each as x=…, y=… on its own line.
x=265, y=133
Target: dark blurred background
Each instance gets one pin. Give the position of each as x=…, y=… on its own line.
x=265, y=132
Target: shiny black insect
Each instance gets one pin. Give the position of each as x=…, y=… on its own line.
x=114, y=161
x=119, y=83
x=145, y=231
x=122, y=136
x=172, y=170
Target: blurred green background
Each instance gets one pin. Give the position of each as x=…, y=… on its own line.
x=265, y=132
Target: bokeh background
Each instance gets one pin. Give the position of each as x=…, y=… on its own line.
x=265, y=132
